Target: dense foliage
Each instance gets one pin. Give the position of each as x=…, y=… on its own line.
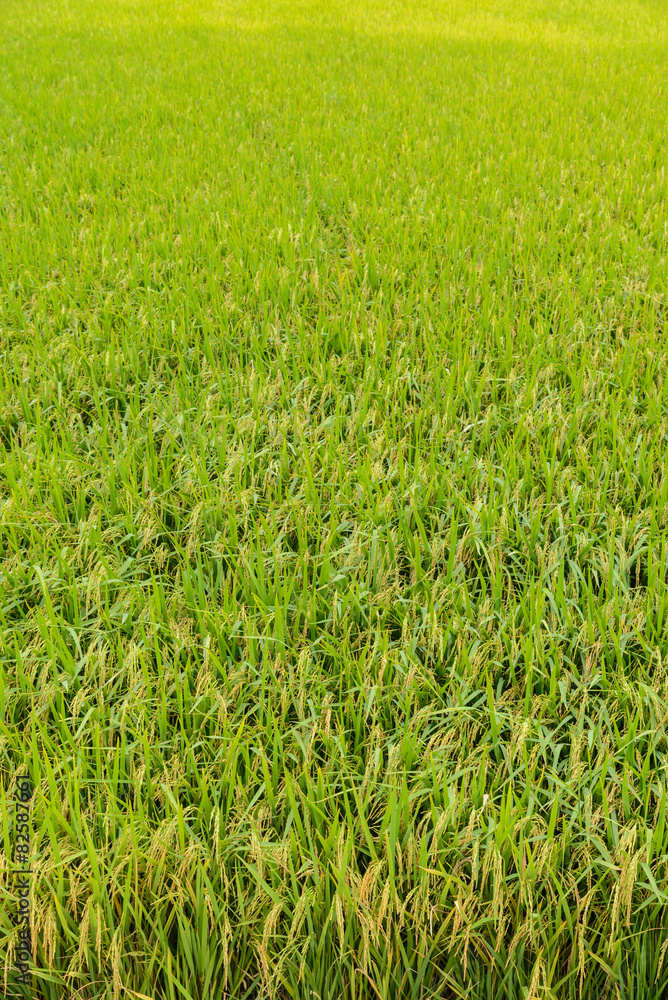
x=333, y=482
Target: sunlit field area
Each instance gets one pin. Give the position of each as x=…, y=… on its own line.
x=334, y=499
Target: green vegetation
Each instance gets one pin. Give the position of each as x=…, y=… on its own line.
x=333, y=497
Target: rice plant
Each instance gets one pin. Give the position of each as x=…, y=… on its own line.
x=334, y=498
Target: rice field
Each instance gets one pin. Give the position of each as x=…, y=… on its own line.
x=334, y=498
